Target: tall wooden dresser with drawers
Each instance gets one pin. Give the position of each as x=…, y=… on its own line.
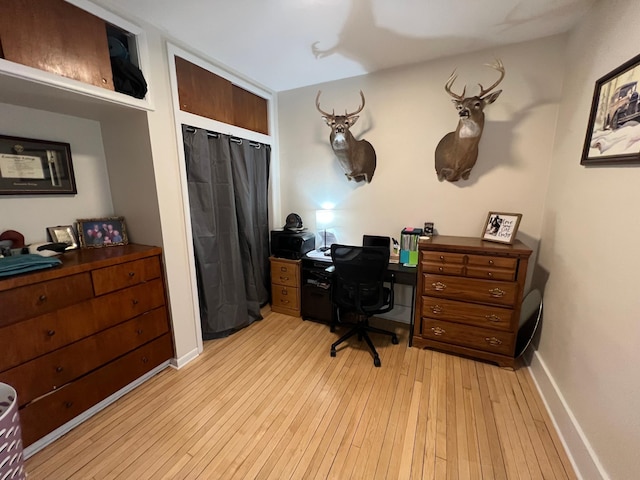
x=74, y=334
x=469, y=297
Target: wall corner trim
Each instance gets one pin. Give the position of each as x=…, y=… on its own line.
x=581, y=454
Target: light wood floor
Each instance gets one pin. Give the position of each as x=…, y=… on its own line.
x=269, y=402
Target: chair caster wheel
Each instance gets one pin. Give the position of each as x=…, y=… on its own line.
x=394, y=340
x=333, y=352
x=376, y=361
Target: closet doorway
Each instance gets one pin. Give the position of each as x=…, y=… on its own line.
x=228, y=179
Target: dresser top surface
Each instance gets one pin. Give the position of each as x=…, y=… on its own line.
x=81, y=260
x=472, y=244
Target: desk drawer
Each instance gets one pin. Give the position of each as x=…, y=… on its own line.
x=52, y=371
x=284, y=273
x=34, y=337
x=51, y=411
x=460, y=288
x=40, y=298
x=494, y=341
x=286, y=297
x=125, y=275
x=469, y=313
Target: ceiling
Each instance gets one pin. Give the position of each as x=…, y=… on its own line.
x=286, y=44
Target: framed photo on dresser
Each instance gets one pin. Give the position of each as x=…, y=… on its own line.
x=501, y=227
x=102, y=232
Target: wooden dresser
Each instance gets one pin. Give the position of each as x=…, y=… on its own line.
x=469, y=297
x=73, y=335
x=285, y=286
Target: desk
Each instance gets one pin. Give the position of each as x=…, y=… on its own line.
x=316, y=287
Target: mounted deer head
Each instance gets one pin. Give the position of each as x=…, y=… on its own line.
x=357, y=157
x=457, y=152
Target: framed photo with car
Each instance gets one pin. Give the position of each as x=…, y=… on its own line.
x=501, y=227
x=613, y=131
x=102, y=232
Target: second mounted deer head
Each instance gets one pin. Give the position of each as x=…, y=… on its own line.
x=356, y=157
x=457, y=152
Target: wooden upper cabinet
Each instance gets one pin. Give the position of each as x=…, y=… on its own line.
x=56, y=37
x=203, y=93
x=250, y=111
x=206, y=94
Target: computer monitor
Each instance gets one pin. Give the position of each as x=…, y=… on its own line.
x=375, y=241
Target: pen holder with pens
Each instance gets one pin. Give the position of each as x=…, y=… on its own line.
x=409, y=246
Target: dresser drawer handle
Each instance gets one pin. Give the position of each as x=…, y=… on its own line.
x=145, y=360
x=285, y=301
x=440, y=269
x=284, y=292
x=493, y=318
x=497, y=293
x=442, y=257
x=438, y=331
x=436, y=309
x=493, y=341
x=490, y=274
x=59, y=369
x=139, y=331
x=135, y=301
x=42, y=298
x=284, y=279
x=439, y=286
x=283, y=269
x=132, y=274
x=68, y=404
x=490, y=262
x=51, y=333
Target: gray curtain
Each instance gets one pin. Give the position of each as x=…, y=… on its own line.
x=228, y=194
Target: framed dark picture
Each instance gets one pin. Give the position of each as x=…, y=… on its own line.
x=501, y=227
x=102, y=232
x=613, y=133
x=63, y=234
x=35, y=167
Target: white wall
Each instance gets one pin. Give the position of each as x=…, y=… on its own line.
x=32, y=214
x=589, y=345
x=407, y=112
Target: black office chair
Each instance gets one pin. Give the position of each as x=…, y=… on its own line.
x=358, y=287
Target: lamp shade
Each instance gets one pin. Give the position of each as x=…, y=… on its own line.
x=324, y=218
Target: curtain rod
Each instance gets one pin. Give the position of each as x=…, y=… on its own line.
x=237, y=140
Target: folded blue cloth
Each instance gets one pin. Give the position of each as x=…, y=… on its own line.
x=16, y=264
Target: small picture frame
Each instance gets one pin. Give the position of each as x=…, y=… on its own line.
x=102, y=232
x=64, y=234
x=35, y=167
x=501, y=227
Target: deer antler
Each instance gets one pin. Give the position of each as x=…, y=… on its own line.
x=449, y=84
x=496, y=66
x=320, y=110
x=358, y=110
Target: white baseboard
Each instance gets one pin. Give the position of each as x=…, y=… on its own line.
x=581, y=454
x=178, y=363
x=67, y=427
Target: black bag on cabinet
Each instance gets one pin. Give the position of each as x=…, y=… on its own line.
x=127, y=78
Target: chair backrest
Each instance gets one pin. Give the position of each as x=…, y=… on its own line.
x=376, y=241
x=359, y=277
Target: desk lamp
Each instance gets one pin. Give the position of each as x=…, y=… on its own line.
x=323, y=219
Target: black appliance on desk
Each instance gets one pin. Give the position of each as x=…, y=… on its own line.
x=292, y=244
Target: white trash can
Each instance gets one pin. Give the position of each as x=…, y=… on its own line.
x=11, y=458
